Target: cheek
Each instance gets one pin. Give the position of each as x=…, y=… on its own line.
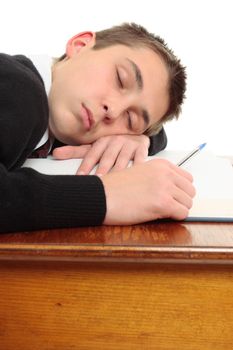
x=97, y=79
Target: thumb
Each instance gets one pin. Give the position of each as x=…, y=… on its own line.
x=68, y=152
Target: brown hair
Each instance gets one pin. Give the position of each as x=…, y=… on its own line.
x=131, y=34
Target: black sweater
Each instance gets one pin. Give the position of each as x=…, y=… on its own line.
x=30, y=200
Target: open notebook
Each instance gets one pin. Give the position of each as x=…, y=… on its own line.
x=213, y=180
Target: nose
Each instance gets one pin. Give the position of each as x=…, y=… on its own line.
x=107, y=114
x=114, y=110
x=106, y=108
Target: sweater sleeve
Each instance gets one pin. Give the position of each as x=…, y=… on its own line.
x=157, y=142
x=31, y=201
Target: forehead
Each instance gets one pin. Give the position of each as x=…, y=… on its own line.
x=137, y=52
x=149, y=62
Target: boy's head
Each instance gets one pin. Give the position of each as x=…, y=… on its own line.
x=134, y=35
x=123, y=80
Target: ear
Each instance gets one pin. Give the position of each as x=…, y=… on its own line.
x=77, y=42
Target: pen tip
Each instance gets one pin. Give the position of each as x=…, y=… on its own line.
x=202, y=145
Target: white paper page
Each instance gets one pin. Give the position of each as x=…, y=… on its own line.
x=51, y=166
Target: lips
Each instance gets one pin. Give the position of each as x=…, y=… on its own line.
x=87, y=117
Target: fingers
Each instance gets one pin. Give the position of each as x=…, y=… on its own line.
x=125, y=154
x=183, y=194
x=177, y=170
x=129, y=153
x=178, y=190
x=180, y=212
x=100, y=153
x=184, y=183
x=111, y=152
x=68, y=152
x=182, y=172
x=114, y=153
x=140, y=155
x=176, y=204
x=108, y=159
x=118, y=157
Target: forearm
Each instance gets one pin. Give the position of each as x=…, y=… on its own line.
x=32, y=201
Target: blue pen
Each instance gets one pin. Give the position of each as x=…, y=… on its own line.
x=190, y=155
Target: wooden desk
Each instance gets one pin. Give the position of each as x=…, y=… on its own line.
x=153, y=286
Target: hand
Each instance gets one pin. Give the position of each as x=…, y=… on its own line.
x=111, y=152
x=152, y=190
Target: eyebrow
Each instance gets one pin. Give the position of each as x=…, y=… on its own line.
x=137, y=74
x=139, y=81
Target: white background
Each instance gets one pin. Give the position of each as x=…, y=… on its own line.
x=199, y=31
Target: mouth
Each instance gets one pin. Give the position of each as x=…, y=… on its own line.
x=87, y=117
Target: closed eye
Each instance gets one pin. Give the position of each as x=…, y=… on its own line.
x=119, y=81
x=130, y=126
x=130, y=119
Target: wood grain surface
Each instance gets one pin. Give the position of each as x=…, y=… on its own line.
x=163, y=286
x=73, y=305
x=172, y=242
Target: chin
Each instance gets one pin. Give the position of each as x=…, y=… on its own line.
x=84, y=139
x=74, y=141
